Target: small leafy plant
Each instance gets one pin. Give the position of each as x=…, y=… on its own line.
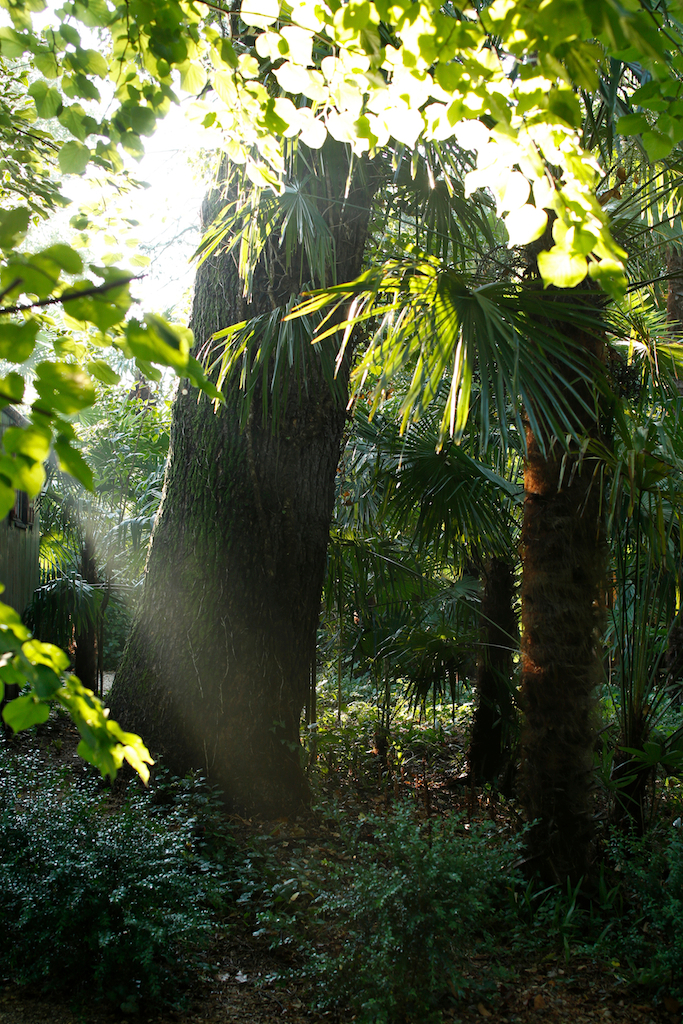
x=387, y=925
x=113, y=901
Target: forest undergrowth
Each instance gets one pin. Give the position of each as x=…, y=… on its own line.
x=401, y=895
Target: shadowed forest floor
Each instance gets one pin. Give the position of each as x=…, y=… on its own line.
x=245, y=983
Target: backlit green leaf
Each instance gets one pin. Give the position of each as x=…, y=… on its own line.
x=23, y=712
x=63, y=387
x=632, y=124
x=65, y=257
x=561, y=268
x=11, y=388
x=71, y=461
x=7, y=499
x=73, y=158
x=102, y=371
x=657, y=145
x=48, y=101
x=17, y=341
x=13, y=226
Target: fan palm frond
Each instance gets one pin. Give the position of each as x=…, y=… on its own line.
x=434, y=321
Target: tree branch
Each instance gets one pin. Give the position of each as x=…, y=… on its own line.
x=13, y=284
x=98, y=289
x=215, y=7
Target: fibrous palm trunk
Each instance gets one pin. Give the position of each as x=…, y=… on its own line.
x=216, y=671
x=563, y=571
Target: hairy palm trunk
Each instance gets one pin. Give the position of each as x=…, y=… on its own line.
x=563, y=571
x=493, y=714
x=216, y=671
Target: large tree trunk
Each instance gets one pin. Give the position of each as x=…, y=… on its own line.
x=216, y=671
x=494, y=712
x=563, y=569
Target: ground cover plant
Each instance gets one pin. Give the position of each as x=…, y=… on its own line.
x=111, y=901
x=397, y=898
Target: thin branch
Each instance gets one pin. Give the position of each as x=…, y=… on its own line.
x=99, y=289
x=216, y=7
x=36, y=138
x=10, y=287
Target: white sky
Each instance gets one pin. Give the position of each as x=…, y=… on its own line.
x=167, y=211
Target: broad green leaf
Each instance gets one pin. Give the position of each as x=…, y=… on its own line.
x=63, y=388
x=10, y=623
x=11, y=388
x=65, y=257
x=34, y=276
x=39, y=653
x=632, y=124
x=71, y=461
x=75, y=119
x=48, y=101
x=23, y=474
x=11, y=43
x=93, y=63
x=17, y=341
x=73, y=158
x=142, y=120
x=13, y=226
x=103, y=309
x=159, y=342
x=525, y=224
x=193, y=78
x=102, y=371
x=11, y=675
x=45, y=682
x=93, y=13
x=561, y=268
x=32, y=441
x=23, y=712
x=46, y=62
x=7, y=499
x=657, y=145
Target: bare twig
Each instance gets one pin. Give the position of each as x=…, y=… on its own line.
x=98, y=289
x=8, y=289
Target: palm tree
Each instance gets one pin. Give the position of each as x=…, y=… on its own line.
x=462, y=509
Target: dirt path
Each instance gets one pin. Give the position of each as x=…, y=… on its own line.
x=576, y=994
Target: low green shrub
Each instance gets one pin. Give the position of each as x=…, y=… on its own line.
x=386, y=928
x=117, y=902
x=650, y=937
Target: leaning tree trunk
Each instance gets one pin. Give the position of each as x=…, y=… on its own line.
x=493, y=714
x=563, y=557
x=216, y=671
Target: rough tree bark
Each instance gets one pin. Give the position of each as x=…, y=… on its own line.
x=493, y=713
x=563, y=558
x=216, y=671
